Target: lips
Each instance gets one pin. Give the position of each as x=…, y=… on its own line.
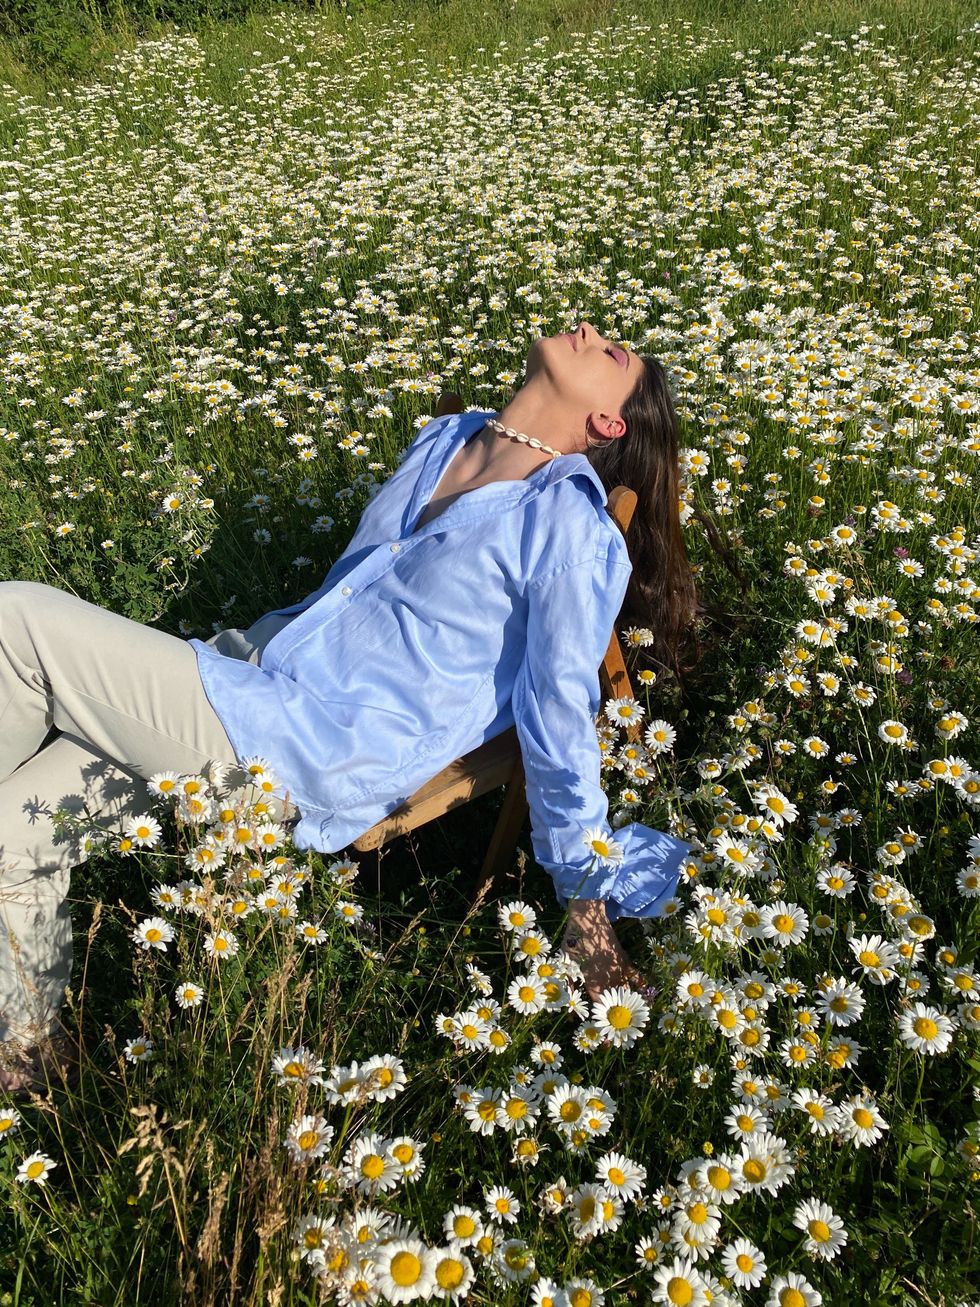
x=572, y=339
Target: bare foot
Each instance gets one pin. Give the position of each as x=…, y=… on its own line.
x=35, y=1069
x=593, y=943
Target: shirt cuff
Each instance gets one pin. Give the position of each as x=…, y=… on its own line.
x=640, y=884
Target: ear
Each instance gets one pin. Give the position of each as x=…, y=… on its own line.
x=609, y=427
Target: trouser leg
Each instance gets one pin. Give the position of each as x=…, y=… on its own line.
x=35, y=867
x=131, y=691
x=129, y=694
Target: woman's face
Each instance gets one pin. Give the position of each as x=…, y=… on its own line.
x=587, y=370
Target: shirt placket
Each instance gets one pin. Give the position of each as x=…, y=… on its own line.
x=384, y=556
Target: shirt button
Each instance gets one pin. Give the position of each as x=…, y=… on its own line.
x=394, y=548
x=345, y=590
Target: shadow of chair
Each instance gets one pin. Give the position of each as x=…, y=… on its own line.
x=498, y=761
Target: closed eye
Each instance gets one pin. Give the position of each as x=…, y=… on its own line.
x=613, y=353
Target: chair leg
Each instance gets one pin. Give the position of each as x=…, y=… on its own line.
x=504, y=838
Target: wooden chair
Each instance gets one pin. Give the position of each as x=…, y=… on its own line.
x=497, y=761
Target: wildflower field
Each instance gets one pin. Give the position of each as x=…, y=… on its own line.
x=237, y=271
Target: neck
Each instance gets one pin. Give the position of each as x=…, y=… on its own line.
x=534, y=413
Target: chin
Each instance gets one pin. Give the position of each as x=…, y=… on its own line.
x=543, y=348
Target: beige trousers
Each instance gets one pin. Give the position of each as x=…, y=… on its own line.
x=91, y=705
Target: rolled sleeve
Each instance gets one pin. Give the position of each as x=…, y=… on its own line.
x=571, y=613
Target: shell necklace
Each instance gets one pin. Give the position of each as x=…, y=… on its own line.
x=532, y=441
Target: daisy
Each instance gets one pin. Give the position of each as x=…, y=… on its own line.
x=513, y=1261
x=165, y=896
x=367, y=1224
x=308, y=1138
x=600, y=844
x=860, y=1121
x=841, y=1052
x=719, y=1181
x=10, y=1120
x=163, y=783
x=841, y=1003
x=516, y=915
x=153, y=932
x=407, y=1152
x=793, y=1290
x=726, y=1014
x=501, y=1204
x=370, y=1166
x=527, y=1151
x=554, y=1197
x=697, y=1221
x=526, y=994
x=530, y=944
x=586, y=1210
x=309, y=1235
x=679, y=1282
x=567, y=1106
x=836, y=880
x=659, y=736
x=893, y=732
x=463, y=1225
x=452, y=1273
x=347, y=911
x=647, y=1252
x=35, y=1169
x=620, y=1014
x=471, y=1031
x=621, y=1177
x=479, y=980
x=187, y=994
x=222, y=944
x=775, y=804
x=346, y=1084
x=268, y=836
x=822, y=1113
x=546, y=1053
x=925, y=1029
x=625, y=710
x=517, y=1110
x=825, y=1231
x=784, y=923
x=583, y=1292
x=195, y=808
x=876, y=957
x=387, y=1073
x=482, y=1110
x=694, y=988
x=744, y=1264
x=138, y=1050
x=310, y=932
x=237, y=906
x=405, y=1270
x=546, y=1293
x=206, y=856
x=144, y=830
x=297, y=1066
x=764, y=1164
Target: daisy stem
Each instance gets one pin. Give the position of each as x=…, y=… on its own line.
x=918, y=1090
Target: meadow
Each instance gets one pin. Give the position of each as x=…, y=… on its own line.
x=238, y=268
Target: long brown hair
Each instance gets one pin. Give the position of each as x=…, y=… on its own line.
x=661, y=594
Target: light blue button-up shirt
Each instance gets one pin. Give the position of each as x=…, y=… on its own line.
x=420, y=645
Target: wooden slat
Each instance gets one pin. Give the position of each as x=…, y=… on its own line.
x=489, y=765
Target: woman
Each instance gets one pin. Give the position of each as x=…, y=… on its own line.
x=478, y=591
